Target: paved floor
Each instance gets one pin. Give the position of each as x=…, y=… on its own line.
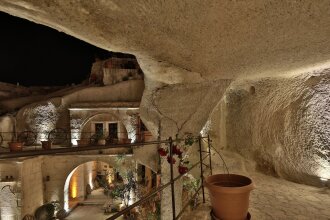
x=272, y=199
x=88, y=212
x=92, y=208
x=277, y=199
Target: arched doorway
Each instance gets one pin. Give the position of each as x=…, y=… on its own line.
x=84, y=179
x=107, y=125
x=126, y=182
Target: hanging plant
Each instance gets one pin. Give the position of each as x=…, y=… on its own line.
x=179, y=149
x=189, y=139
x=183, y=164
x=162, y=152
x=176, y=150
x=182, y=169
x=171, y=160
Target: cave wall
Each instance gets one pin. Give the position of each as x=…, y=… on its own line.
x=281, y=122
x=180, y=108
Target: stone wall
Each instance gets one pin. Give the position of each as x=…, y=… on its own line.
x=32, y=185
x=82, y=120
x=6, y=127
x=77, y=185
x=42, y=117
x=10, y=190
x=281, y=123
x=9, y=205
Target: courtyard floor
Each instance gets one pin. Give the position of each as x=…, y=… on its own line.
x=92, y=208
x=274, y=198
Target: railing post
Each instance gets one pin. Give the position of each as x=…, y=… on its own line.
x=209, y=146
x=201, y=164
x=172, y=177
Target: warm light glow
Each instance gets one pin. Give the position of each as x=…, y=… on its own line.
x=131, y=200
x=75, y=135
x=42, y=119
x=90, y=179
x=323, y=179
x=323, y=171
x=73, y=186
x=66, y=190
x=74, y=142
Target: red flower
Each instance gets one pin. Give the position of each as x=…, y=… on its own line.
x=171, y=160
x=183, y=169
x=162, y=152
x=176, y=150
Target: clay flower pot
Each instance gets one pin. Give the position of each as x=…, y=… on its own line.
x=229, y=194
x=125, y=141
x=128, y=141
x=83, y=142
x=101, y=142
x=15, y=146
x=46, y=145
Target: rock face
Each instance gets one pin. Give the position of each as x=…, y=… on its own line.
x=176, y=109
x=281, y=123
x=189, y=52
x=218, y=39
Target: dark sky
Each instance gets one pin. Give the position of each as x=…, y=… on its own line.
x=35, y=55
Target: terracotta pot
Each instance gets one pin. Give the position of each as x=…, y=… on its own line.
x=15, y=146
x=128, y=141
x=83, y=142
x=229, y=194
x=46, y=145
x=101, y=142
x=124, y=141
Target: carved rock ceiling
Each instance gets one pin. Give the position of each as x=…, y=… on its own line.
x=191, y=41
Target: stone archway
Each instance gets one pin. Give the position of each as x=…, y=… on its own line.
x=79, y=178
x=105, y=119
x=81, y=120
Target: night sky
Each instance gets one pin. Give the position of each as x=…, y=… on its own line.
x=35, y=55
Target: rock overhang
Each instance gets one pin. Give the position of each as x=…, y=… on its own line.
x=205, y=40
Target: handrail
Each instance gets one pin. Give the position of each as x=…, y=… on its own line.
x=171, y=183
x=148, y=196
x=27, y=153
x=130, y=145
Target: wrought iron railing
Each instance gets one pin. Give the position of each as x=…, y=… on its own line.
x=172, y=181
x=60, y=136
x=202, y=156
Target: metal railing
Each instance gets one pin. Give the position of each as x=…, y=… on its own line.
x=173, y=180
x=27, y=153
x=60, y=136
x=150, y=195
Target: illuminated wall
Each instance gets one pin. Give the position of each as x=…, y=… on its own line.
x=77, y=183
x=73, y=189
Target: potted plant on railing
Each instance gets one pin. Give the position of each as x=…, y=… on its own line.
x=98, y=138
x=15, y=144
x=46, y=145
x=101, y=139
x=83, y=142
x=229, y=194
